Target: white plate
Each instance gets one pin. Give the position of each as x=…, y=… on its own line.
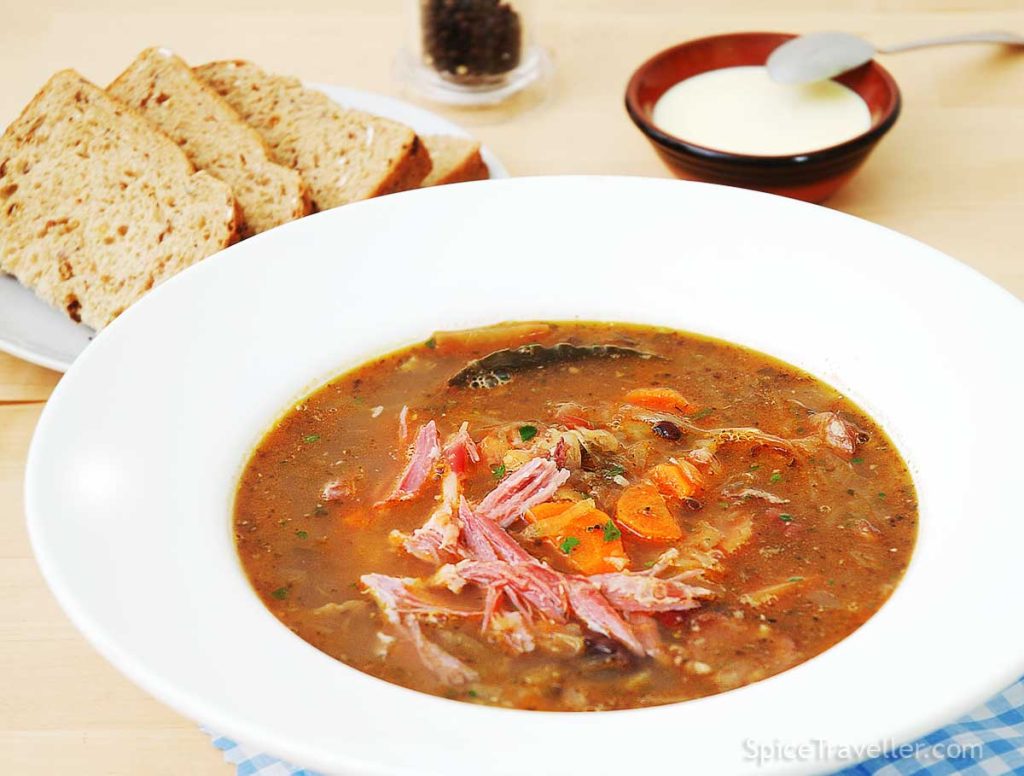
x=133, y=467
x=32, y=330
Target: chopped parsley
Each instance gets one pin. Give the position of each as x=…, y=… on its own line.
x=569, y=544
x=701, y=414
x=881, y=496
x=754, y=467
x=795, y=579
x=280, y=594
x=526, y=433
x=786, y=518
x=611, y=532
x=471, y=693
x=649, y=564
x=613, y=471
x=498, y=471
x=311, y=438
x=858, y=459
x=431, y=343
x=302, y=534
x=776, y=477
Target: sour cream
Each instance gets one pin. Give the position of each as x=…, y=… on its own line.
x=742, y=110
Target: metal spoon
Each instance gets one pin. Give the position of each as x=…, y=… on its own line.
x=823, y=55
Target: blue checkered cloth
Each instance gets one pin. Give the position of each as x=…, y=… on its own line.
x=986, y=742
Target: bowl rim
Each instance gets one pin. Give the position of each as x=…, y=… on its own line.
x=680, y=146
x=260, y=714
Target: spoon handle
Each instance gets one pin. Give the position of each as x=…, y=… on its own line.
x=1008, y=38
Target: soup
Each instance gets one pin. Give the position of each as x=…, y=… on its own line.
x=574, y=516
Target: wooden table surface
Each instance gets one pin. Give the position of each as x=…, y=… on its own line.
x=951, y=174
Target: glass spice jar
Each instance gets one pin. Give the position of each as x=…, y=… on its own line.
x=470, y=51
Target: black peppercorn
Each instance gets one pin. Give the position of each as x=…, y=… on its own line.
x=471, y=40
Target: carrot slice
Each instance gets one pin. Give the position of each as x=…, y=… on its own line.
x=589, y=542
x=547, y=509
x=659, y=399
x=507, y=335
x=679, y=479
x=642, y=511
x=554, y=517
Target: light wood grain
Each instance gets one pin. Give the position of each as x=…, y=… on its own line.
x=64, y=709
x=22, y=382
x=950, y=174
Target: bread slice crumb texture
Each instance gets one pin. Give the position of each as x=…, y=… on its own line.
x=344, y=155
x=97, y=207
x=163, y=88
x=455, y=160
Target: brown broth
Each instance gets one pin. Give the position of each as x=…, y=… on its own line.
x=838, y=546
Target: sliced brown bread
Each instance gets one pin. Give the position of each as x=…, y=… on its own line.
x=344, y=155
x=96, y=206
x=163, y=88
x=455, y=159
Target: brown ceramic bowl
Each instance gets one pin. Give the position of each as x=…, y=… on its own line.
x=813, y=176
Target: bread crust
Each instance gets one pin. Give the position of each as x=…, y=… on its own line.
x=456, y=160
x=410, y=172
x=344, y=154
